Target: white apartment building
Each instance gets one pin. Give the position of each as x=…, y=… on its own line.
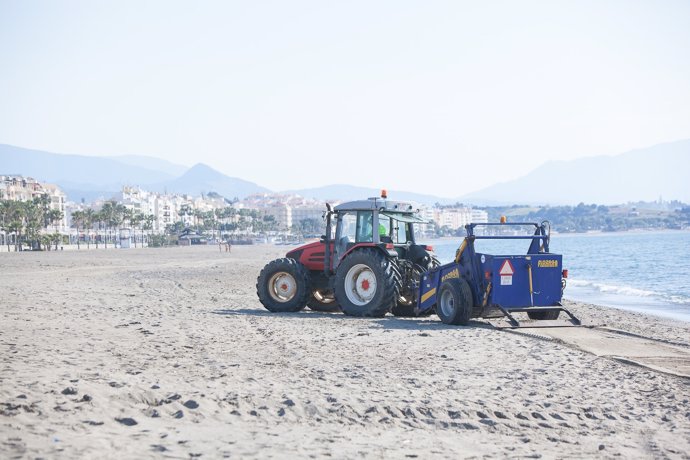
x=288, y=210
x=20, y=188
x=307, y=212
x=455, y=218
x=479, y=216
x=167, y=208
x=282, y=214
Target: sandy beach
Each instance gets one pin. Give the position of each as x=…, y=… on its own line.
x=167, y=353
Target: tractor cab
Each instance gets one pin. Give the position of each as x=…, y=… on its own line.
x=378, y=222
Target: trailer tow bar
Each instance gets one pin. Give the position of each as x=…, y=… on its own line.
x=514, y=323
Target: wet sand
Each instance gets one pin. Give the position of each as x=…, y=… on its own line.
x=168, y=353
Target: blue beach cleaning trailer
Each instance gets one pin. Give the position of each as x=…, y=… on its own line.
x=480, y=285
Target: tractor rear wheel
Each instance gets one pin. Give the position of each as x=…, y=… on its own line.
x=411, y=277
x=410, y=274
x=323, y=300
x=454, y=302
x=366, y=284
x=544, y=315
x=283, y=285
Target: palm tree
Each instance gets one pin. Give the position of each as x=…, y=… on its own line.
x=148, y=225
x=89, y=218
x=99, y=220
x=54, y=216
x=107, y=217
x=78, y=219
x=34, y=220
x=122, y=218
x=185, y=210
x=5, y=220
x=12, y=221
x=198, y=214
x=136, y=220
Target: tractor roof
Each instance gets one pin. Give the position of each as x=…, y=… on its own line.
x=377, y=204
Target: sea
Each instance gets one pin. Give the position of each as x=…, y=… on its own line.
x=646, y=272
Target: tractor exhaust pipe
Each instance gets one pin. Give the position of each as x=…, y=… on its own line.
x=327, y=250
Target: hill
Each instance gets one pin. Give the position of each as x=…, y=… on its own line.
x=201, y=178
x=645, y=174
x=141, y=161
x=90, y=178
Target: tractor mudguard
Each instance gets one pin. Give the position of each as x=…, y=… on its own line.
x=380, y=246
x=431, y=282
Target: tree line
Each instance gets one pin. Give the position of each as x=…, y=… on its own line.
x=111, y=217
x=26, y=220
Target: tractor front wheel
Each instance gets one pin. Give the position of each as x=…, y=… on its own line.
x=454, y=302
x=366, y=284
x=283, y=285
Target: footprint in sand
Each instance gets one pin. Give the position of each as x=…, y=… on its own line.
x=191, y=404
x=127, y=421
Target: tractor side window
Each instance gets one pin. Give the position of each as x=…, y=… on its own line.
x=365, y=227
x=349, y=227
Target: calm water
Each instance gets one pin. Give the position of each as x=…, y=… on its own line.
x=646, y=272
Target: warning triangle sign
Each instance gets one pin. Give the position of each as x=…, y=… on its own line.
x=506, y=269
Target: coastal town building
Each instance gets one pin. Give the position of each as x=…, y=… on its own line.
x=456, y=217
x=288, y=210
x=21, y=188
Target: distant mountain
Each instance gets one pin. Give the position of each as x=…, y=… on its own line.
x=90, y=178
x=201, y=178
x=74, y=169
x=639, y=175
x=351, y=192
x=156, y=164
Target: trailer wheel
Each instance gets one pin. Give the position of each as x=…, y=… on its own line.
x=454, y=302
x=366, y=284
x=543, y=315
x=323, y=300
x=283, y=286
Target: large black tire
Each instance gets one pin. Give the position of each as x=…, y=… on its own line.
x=434, y=264
x=409, y=273
x=405, y=307
x=283, y=286
x=366, y=284
x=543, y=315
x=323, y=300
x=454, y=302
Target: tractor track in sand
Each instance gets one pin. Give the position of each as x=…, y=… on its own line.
x=619, y=345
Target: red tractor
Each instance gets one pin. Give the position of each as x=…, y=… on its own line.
x=369, y=267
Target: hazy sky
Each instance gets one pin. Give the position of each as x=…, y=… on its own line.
x=441, y=97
